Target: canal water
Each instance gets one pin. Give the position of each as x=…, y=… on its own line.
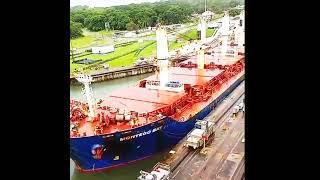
x=130, y=172
x=101, y=89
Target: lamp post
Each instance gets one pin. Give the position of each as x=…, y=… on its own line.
x=71, y=51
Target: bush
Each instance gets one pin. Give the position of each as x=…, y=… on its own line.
x=75, y=29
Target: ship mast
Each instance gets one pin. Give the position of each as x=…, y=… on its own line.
x=162, y=54
x=203, y=29
x=203, y=34
x=201, y=58
x=203, y=24
x=225, y=24
x=225, y=34
x=87, y=91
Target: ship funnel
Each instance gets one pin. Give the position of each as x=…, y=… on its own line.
x=87, y=91
x=162, y=54
x=201, y=58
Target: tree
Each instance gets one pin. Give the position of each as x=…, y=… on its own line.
x=234, y=12
x=233, y=3
x=216, y=9
x=132, y=26
x=79, y=18
x=173, y=15
x=141, y=15
x=75, y=30
x=95, y=23
x=123, y=20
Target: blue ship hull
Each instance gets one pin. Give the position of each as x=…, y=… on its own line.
x=126, y=147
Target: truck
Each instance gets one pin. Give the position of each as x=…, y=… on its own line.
x=202, y=131
x=241, y=106
x=159, y=172
x=236, y=109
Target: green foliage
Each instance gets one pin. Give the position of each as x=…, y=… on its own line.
x=234, y=12
x=215, y=9
x=95, y=23
x=132, y=26
x=75, y=29
x=78, y=17
x=234, y=3
x=135, y=15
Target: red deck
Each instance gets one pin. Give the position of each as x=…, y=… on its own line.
x=141, y=100
x=144, y=100
x=189, y=76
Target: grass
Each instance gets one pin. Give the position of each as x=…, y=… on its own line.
x=175, y=45
x=91, y=38
x=210, y=32
x=87, y=41
x=127, y=59
x=75, y=66
x=147, y=52
x=191, y=34
x=119, y=51
x=123, y=61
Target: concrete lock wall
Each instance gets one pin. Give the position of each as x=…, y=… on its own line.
x=119, y=73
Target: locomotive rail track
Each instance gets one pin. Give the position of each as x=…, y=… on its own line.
x=194, y=155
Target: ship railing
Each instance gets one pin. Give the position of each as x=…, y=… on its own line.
x=180, y=110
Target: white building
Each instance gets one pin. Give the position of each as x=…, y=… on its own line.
x=102, y=49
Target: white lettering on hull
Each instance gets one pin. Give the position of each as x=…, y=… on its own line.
x=140, y=134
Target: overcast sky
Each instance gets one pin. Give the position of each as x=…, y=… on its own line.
x=106, y=3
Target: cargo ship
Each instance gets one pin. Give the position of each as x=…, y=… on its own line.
x=137, y=122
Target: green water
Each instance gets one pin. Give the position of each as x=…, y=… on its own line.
x=129, y=172
x=101, y=89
